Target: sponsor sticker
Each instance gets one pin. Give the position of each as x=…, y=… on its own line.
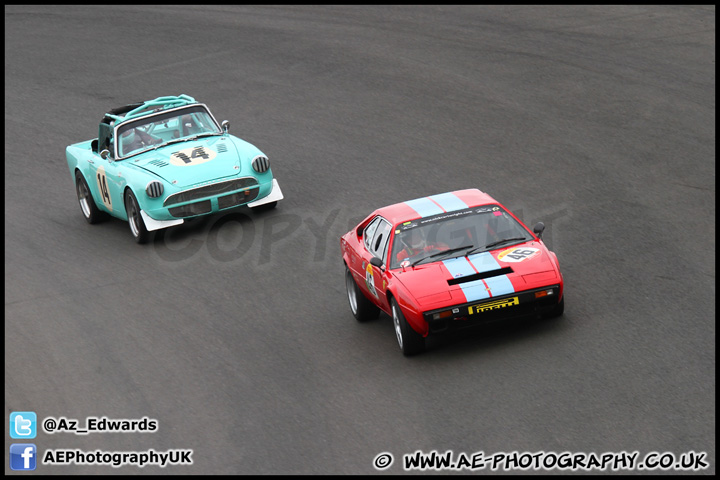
x=487, y=209
x=494, y=305
x=370, y=279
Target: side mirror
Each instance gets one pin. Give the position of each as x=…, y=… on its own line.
x=538, y=229
x=225, y=126
x=376, y=262
x=105, y=154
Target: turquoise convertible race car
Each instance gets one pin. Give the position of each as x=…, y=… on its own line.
x=160, y=162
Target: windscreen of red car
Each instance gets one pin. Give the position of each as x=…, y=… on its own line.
x=457, y=233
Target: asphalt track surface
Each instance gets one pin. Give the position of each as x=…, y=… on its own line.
x=234, y=332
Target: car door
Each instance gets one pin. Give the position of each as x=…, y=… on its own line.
x=375, y=241
x=359, y=257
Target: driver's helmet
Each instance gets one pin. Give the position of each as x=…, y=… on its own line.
x=127, y=138
x=414, y=239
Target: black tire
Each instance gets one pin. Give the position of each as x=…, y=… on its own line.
x=88, y=207
x=137, y=225
x=360, y=306
x=557, y=310
x=410, y=342
x=264, y=208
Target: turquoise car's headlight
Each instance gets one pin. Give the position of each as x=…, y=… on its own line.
x=154, y=189
x=261, y=164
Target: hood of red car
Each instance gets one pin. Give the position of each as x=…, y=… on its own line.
x=482, y=275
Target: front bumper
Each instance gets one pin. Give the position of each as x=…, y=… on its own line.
x=274, y=195
x=151, y=224
x=518, y=304
x=207, y=200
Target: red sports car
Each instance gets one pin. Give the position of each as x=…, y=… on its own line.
x=448, y=261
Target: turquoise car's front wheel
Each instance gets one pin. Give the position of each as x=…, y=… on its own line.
x=137, y=225
x=87, y=204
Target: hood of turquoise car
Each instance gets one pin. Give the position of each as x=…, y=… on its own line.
x=199, y=161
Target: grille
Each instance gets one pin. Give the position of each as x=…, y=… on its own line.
x=210, y=190
x=238, y=198
x=528, y=306
x=191, y=209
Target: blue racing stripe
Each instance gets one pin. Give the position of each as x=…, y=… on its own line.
x=500, y=285
x=424, y=207
x=483, y=262
x=458, y=267
x=474, y=290
x=449, y=201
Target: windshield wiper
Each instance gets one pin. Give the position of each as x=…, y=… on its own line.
x=174, y=140
x=452, y=250
x=186, y=139
x=490, y=245
x=205, y=134
x=504, y=240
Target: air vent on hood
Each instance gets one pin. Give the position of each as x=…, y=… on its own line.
x=221, y=148
x=478, y=276
x=159, y=163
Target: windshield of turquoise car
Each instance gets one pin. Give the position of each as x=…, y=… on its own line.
x=476, y=227
x=155, y=130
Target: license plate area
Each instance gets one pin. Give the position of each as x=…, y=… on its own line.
x=493, y=305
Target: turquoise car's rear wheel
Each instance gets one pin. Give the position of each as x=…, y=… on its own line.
x=137, y=225
x=87, y=204
x=362, y=308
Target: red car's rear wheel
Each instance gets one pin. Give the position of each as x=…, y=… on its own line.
x=362, y=308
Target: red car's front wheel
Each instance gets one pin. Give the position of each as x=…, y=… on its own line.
x=409, y=340
x=557, y=310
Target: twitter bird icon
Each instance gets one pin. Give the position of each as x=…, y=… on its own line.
x=23, y=424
